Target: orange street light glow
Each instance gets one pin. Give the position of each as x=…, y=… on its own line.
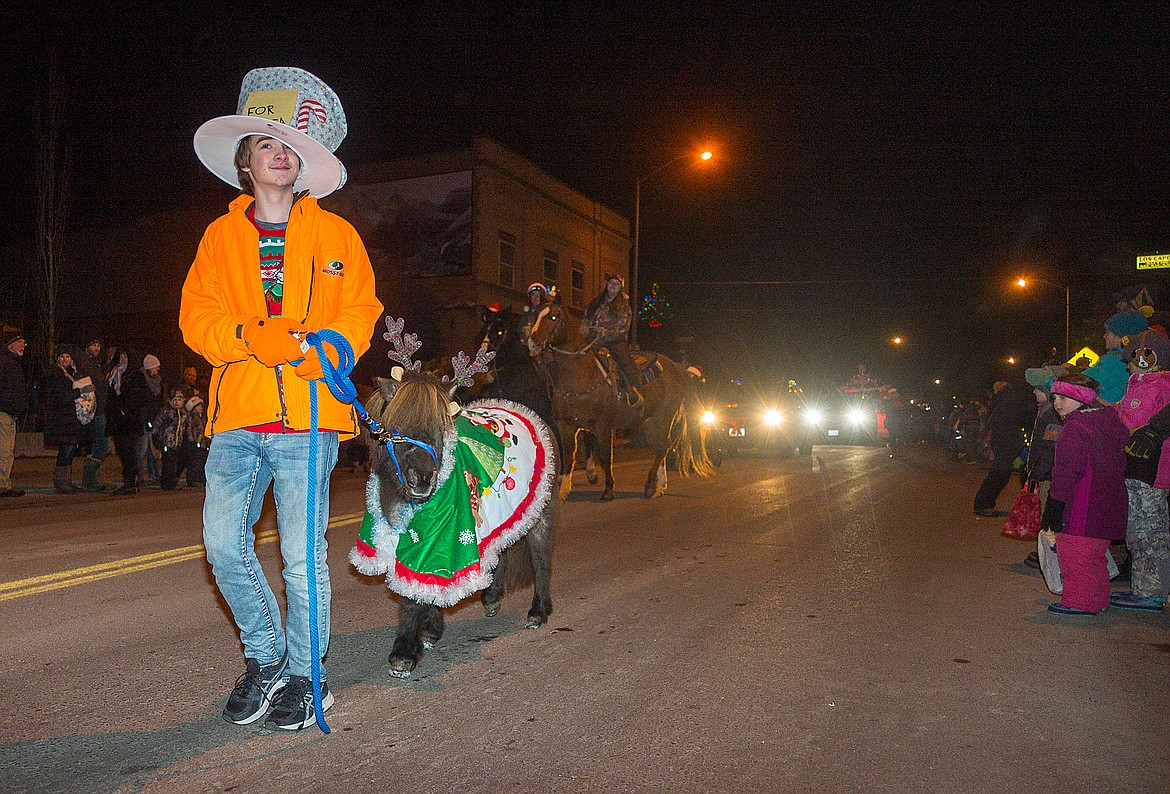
x=1021, y=282
x=705, y=155
x=897, y=340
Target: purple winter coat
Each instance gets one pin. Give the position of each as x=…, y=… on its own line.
x=1089, y=474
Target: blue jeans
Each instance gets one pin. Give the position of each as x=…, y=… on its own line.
x=95, y=434
x=148, y=465
x=240, y=466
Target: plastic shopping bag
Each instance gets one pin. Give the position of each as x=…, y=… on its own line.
x=1046, y=550
x=1023, y=519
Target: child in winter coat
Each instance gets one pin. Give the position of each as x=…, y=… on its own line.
x=1045, y=429
x=195, y=444
x=1146, y=479
x=167, y=434
x=1088, y=498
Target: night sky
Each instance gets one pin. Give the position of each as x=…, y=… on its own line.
x=910, y=165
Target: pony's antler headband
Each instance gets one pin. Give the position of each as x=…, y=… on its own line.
x=404, y=347
x=465, y=374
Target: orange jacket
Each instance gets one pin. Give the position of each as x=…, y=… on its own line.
x=328, y=283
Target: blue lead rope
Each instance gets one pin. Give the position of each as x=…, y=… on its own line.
x=339, y=384
x=337, y=379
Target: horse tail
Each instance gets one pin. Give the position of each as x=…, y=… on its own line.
x=518, y=570
x=529, y=559
x=688, y=438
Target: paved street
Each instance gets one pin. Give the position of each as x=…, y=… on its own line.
x=839, y=623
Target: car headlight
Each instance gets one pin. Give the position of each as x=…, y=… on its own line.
x=813, y=416
x=708, y=418
x=856, y=416
x=772, y=418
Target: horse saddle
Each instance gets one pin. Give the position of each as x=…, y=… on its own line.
x=646, y=362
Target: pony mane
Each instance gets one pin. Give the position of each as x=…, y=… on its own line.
x=419, y=403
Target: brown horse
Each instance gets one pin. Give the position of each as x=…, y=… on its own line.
x=585, y=396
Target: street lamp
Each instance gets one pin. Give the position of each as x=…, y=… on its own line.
x=1022, y=282
x=704, y=156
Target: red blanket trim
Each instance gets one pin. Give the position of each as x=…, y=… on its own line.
x=408, y=575
x=365, y=549
x=521, y=509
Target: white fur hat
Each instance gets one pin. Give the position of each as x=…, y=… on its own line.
x=288, y=104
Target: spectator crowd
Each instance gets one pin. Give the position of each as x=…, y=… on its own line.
x=1095, y=457
x=93, y=395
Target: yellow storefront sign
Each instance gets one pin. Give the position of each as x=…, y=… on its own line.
x=1153, y=261
x=1086, y=353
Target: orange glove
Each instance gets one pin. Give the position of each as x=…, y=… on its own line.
x=271, y=341
x=310, y=368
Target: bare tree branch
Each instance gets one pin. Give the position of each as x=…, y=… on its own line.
x=53, y=169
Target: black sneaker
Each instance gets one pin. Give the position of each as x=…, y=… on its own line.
x=293, y=709
x=255, y=691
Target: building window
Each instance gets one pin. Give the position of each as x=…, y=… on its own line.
x=577, y=291
x=507, y=259
x=550, y=268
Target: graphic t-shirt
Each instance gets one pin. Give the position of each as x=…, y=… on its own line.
x=271, y=261
x=272, y=278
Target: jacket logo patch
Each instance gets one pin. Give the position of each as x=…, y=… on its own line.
x=334, y=268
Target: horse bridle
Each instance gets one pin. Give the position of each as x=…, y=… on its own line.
x=391, y=438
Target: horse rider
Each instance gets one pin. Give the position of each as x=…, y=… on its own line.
x=607, y=324
x=538, y=298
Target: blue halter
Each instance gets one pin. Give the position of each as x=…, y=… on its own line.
x=392, y=438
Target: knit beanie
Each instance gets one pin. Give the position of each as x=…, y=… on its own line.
x=191, y=403
x=150, y=361
x=1129, y=323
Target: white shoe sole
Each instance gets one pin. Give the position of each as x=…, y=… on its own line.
x=265, y=706
x=310, y=715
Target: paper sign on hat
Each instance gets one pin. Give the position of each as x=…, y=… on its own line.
x=290, y=105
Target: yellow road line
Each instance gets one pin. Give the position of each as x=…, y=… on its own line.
x=144, y=562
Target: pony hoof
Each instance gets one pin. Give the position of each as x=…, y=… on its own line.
x=491, y=610
x=428, y=642
x=401, y=668
x=607, y=496
x=592, y=478
x=534, y=622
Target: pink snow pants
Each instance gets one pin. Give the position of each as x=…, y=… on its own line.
x=1084, y=571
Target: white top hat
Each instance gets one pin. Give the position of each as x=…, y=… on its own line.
x=288, y=104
